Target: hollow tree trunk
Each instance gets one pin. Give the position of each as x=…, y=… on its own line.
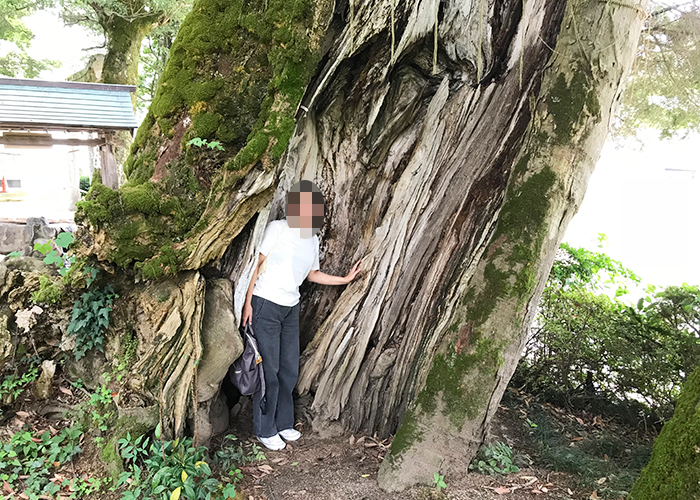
x=454, y=171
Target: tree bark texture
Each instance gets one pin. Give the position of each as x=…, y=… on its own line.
x=673, y=471
x=452, y=167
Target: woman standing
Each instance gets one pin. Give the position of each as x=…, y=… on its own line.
x=288, y=255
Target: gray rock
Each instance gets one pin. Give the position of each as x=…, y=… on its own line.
x=42, y=386
x=218, y=415
x=89, y=368
x=13, y=237
x=35, y=227
x=221, y=342
x=54, y=411
x=27, y=264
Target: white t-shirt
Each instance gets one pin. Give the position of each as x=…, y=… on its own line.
x=290, y=258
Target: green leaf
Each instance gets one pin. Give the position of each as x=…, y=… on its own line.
x=157, y=432
x=43, y=247
x=16, y=253
x=63, y=240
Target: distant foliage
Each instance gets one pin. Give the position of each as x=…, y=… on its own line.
x=16, y=39
x=588, y=345
x=663, y=89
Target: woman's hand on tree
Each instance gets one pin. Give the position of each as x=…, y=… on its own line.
x=353, y=272
x=247, y=316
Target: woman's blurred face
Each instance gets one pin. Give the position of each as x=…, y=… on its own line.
x=305, y=209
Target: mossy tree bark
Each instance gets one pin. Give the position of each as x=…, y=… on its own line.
x=453, y=169
x=673, y=472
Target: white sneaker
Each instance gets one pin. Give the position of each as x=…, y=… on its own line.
x=274, y=443
x=290, y=434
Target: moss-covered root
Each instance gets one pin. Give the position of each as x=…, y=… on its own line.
x=673, y=472
x=132, y=421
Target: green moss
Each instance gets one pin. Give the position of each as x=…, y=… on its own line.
x=406, y=436
x=110, y=453
x=449, y=375
x=143, y=198
x=570, y=102
x=236, y=73
x=50, y=291
x=481, y=305
x=673, y=472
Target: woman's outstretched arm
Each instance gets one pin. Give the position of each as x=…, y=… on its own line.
x=329, y=279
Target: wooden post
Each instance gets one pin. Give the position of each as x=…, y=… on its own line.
x=110, y=177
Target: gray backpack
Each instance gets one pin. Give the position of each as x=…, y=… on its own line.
x=246, y=372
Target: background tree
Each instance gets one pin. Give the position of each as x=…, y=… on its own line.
x=453, y=143
x=124, y=24
x=16, y=61
x=664, y=91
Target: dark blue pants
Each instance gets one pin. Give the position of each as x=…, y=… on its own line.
x=276, y=329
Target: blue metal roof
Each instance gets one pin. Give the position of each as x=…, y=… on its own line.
x=44, y=104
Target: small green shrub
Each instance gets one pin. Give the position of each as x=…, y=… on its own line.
x=172, y=469
x=51, y=256
x=439, y=481
x=494, y=459
x=231, y=455
x=199, y=142
x=26, y=464
x=90, y=318
x=13, y=385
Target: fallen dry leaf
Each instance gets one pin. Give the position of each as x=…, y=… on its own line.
x=568, y=490
x=502, y=490
x=65, y=390
x=579, y=420
x=577, y=439
x=594, y=495
x=536, y=491
x=6, y=486
x=352, y=440
x=544, y=489
x=601, y=480
x=265, y=468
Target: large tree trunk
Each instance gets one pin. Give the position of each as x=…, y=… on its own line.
x=673, y=472
x=454, y=169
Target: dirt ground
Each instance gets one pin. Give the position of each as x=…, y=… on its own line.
x=314, y=468
x=346, y=469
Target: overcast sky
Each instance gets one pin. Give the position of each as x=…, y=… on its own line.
x=646, y=201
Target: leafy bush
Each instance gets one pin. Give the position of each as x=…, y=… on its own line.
x=25, y=464
x=51, y=256
x=586, y=348
x=232, y=455
x=13, y=385
x=171, y=468
x=494, y=459
x=90, y=318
